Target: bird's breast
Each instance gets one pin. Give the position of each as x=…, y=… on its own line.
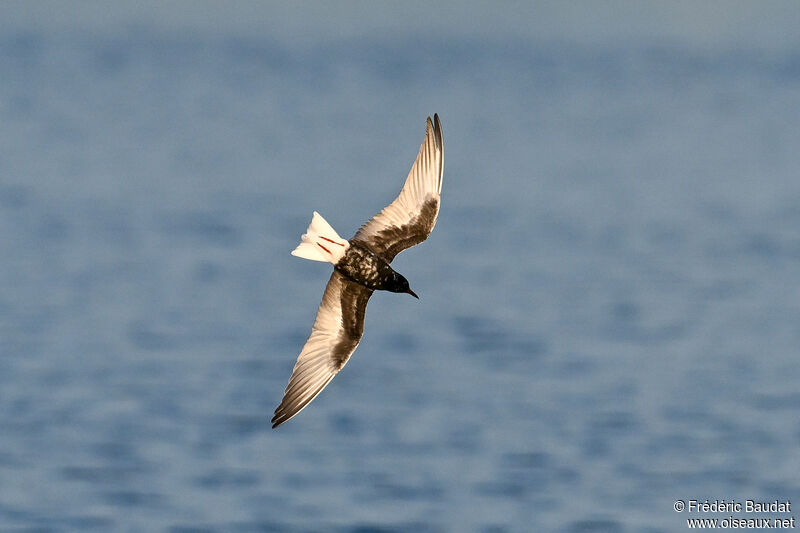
x=365, y=268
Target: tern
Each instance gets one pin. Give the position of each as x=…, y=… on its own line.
x=360, y=267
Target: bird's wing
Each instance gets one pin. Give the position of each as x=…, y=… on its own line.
x=410, y=218
x=334, y=337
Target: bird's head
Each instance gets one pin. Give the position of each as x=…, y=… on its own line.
x=400, y=284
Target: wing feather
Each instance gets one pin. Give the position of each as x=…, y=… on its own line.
x=410, y=218
x=334, y=337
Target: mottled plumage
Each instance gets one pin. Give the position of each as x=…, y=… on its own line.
x=365, y=267
x=361, y=266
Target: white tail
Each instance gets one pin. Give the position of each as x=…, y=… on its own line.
x=320, y=242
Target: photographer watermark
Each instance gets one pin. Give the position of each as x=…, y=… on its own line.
x=754, y=514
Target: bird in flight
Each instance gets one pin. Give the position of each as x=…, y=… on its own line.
x=360, y=267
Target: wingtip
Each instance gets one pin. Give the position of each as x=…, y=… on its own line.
x=440, y=142
x=278, y=419
x=436, y=126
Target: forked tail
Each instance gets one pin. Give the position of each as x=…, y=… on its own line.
x=320, y=242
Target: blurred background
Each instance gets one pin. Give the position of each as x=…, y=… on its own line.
x=609, y=303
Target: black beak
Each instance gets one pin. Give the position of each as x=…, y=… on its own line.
x=409, y=291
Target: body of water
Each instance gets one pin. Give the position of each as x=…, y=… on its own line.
x=609, y=303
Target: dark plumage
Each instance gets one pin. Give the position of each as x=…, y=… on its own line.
x=361, y=266
x=365, y=267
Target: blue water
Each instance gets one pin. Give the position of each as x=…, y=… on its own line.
x=609, y=303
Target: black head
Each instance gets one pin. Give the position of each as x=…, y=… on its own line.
x=400, y=284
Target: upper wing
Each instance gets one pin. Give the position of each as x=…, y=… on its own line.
x=410, y=218
x=334, y=337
